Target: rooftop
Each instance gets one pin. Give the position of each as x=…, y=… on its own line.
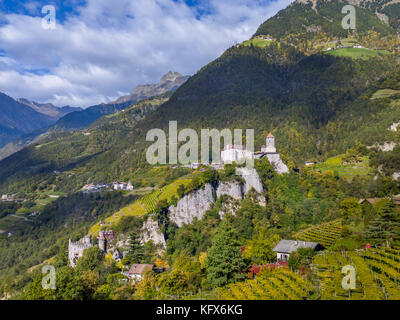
x=289, y=246
x=140, y=268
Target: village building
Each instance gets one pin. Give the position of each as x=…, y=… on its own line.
x=372, y=201
x=396, y=200
x=122, y=186
x=285, y=247
x=104, y=237
x=136, y=271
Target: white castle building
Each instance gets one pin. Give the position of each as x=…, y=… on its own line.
x=236, y=153
x=233, y=153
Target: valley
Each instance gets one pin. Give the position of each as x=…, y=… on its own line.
x=328, y=100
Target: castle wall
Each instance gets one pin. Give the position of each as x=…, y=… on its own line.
x=75, y=249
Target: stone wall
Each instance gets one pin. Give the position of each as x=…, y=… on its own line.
x=75, y=249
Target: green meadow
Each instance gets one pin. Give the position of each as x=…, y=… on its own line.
x=357, y=53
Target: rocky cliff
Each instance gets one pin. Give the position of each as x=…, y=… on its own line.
x=277, y=163
x=233, y=189
x=195, y=204
x=151, y=231
x=252, y=180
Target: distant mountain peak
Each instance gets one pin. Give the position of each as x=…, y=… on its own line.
x=170, y=76
x=48, y=109
x=169, y=82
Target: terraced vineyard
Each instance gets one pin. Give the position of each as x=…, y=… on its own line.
x=145, y=205
x=377, y=274
x=280, y=284
x=169, y=190
x=325, y=234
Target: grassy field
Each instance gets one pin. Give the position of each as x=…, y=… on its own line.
x=384, y=93
x=256, y=43
x=348, y=171
x=357, y=53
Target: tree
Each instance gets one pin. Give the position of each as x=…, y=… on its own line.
x=174, y=282
x=259, y=249
x=350, y=208
x=302, y=257
x=90, y=281
x=180, y=191
x=225, y=263
x=135, y=249
x=386, y=225
x=91, y=259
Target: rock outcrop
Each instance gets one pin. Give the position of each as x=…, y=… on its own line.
x=277, y=163
x=233, y=189
x=151, y=231
x=251, y=178
x=394, y=126
x=191, y=206
x=385, y=147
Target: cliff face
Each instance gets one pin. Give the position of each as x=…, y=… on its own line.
x=252, y=180
x=195, y=204
x=277, y=163
x=151, y=231
x=233, y=189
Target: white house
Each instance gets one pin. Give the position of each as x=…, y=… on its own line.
x=285, y=247
x=122, y=186
x=233, y=153
x=136, y=272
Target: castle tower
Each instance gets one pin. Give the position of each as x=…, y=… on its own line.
x=102, y=241
x=270, y=144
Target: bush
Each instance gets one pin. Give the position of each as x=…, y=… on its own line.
x=302, y=257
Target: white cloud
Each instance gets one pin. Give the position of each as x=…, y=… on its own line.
x=112, y=46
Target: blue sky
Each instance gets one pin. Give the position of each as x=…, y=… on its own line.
x=101, y=49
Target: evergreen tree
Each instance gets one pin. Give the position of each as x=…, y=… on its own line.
x=386, y=225
x=135, y=249
x=225, y=263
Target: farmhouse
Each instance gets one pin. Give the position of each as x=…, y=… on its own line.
x=136, y=272
x=285, y=247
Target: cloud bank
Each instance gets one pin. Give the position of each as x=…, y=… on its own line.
x=106, y=48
